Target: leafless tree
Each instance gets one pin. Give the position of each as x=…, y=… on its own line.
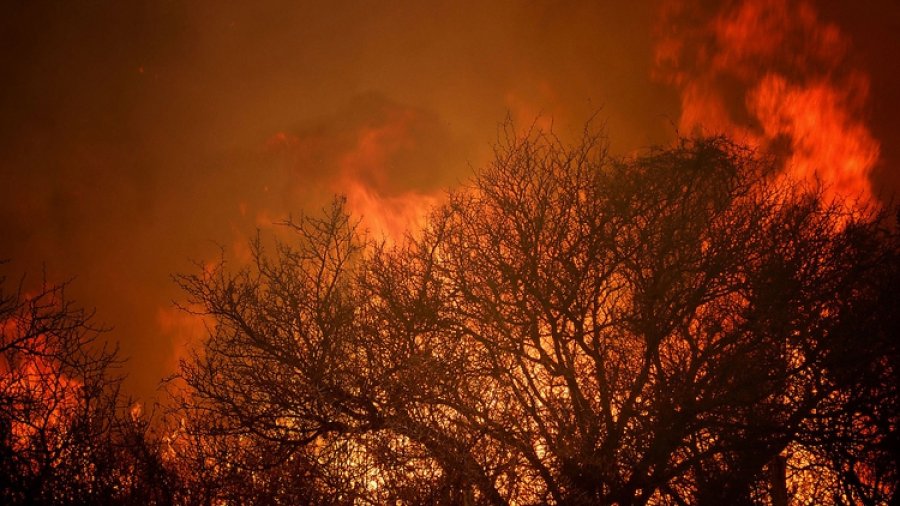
x=65, y=436
x=570, y=328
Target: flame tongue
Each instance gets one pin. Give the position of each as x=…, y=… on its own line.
x=826, y=141
x=771, y=73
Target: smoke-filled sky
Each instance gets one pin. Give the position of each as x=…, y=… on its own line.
x=138, y=136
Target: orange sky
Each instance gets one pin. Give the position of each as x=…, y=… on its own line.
x=136, y=136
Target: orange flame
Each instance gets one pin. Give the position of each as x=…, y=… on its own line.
x=363, y=176
x=773, y=74
x=370, y=163
x=373, y=159
x=388, y=217
x=31, y=378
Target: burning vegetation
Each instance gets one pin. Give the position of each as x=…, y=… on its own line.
x=685, y=326
x=682, y=327
x=712, y=321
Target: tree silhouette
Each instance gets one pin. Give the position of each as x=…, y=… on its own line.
x=64, y=436
x=680, y=327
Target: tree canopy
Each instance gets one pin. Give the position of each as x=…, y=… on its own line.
x=684, y=326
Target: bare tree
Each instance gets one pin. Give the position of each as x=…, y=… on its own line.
x=63, y=436
x=569, y=329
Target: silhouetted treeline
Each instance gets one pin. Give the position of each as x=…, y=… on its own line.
x=681, y=327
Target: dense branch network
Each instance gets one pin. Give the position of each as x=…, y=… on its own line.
x=680, y=327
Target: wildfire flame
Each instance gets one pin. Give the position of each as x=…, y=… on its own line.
x=773, y=74
x=38, y=393
x=368, y=163
x=364, y=170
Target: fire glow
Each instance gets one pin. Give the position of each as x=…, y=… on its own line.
x=774, y=75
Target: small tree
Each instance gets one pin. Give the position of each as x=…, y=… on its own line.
x=571, y=328
x=63, y=439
